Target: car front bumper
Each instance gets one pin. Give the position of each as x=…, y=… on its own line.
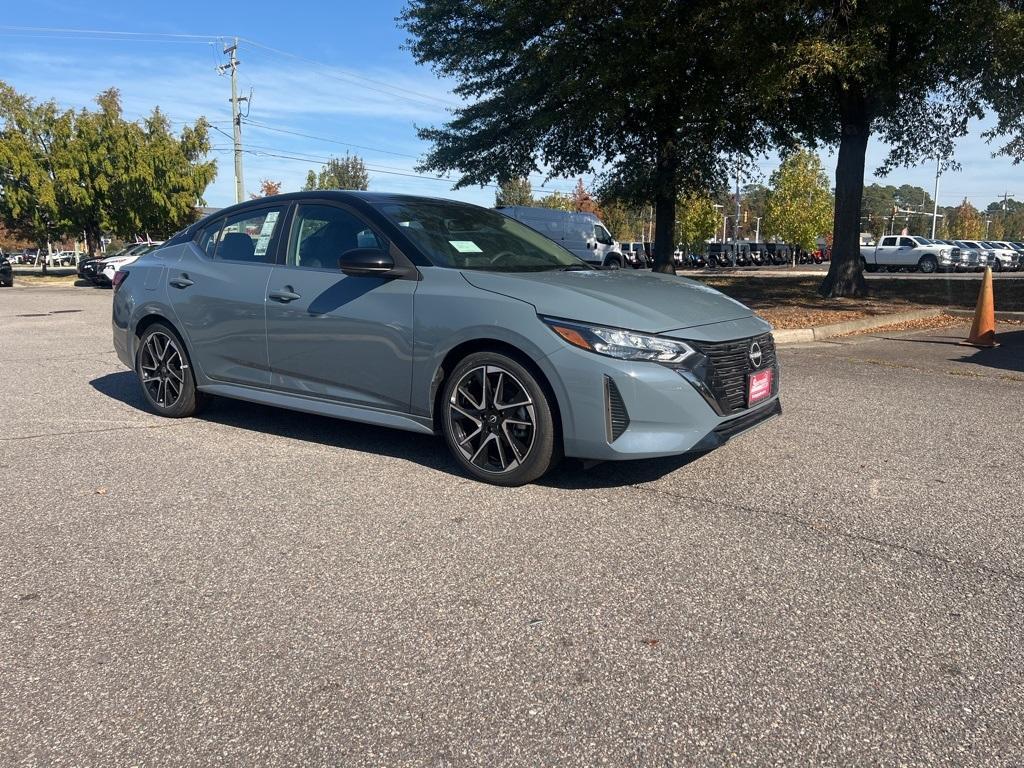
x=667, y=412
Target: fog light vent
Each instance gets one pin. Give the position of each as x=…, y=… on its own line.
x=616, y=416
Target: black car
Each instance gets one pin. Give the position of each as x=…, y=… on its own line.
x=728, y=254
x=6, y=272
x=778, y=253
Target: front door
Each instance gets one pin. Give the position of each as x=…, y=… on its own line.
x=335, y=336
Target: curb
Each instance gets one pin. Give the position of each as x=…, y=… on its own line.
x=819, y=332
x=1018, y=316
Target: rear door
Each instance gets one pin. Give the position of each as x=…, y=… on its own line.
x=886, y=251
x=336, y=336
x=218, y=291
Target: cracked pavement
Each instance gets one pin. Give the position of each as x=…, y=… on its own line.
x=840, y=586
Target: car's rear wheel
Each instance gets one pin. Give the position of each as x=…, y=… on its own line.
x=498, y=420
x=165, y=374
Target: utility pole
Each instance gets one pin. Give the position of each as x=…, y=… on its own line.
x=236, y=116
x=736, y=221
x=935, y=197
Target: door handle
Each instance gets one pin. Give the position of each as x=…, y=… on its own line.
x=181, y=282
x=283, y=296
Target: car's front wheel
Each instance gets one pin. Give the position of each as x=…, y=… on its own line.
x=498, y=420
x=165, y=374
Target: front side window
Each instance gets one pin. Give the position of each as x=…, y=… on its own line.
x=602, y=236
x=322, y=233
x=906, y=242
x=462, y=236
x=248, y=236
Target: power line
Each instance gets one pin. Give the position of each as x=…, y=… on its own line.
x=327, y=140
x=108, y=32
x=260, y=151
x=349, y=76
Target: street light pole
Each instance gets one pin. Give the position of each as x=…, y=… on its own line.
x=935, y=197
x=757, y=233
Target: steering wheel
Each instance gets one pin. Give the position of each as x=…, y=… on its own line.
x=502, y=255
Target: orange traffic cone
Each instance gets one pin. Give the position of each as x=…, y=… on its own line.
x=983, y=331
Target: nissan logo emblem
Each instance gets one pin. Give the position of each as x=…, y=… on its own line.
x=755, y=355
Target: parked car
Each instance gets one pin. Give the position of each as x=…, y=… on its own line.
x=728, y=254
x=908, y=251
x=6, y=272
x=107, y=267
x=635, y=255
x=1005, y=256
x=758, y=252
x=581, y=233
x=442, y=318
x=779, y=253
x=984, y=256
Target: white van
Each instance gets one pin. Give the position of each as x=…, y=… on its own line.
x=581, y=233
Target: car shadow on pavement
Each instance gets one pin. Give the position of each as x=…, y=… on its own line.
x=425, y=450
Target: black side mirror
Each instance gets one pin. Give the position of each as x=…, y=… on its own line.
x=366, y=261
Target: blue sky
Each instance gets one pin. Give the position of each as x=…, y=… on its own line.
x=335, y=71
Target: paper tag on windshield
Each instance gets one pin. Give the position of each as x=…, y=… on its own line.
x=263, y=241
x=465, y=246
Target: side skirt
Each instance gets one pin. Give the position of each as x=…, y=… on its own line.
x=322, y=407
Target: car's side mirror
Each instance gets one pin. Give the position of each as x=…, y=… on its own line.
x=361, y=262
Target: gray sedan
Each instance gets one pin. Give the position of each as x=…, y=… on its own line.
x=443, y=318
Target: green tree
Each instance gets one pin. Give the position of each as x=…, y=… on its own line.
x=697, y=221
x=799, y=207
x=555, y=81
x=91, y=171
x=514, y=191
x=557, y=201
x=348, y=172
x=899, y=69
x=965, y=223
x=625, y=222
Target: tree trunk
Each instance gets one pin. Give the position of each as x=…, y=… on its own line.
x=845, y=273
x=665, y=195
x=93, y=240
x=664, y=228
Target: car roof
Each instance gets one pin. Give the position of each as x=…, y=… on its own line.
x=341, y=195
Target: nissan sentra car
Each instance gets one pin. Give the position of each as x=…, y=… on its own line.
x=444, y=318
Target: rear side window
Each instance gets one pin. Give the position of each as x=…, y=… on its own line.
x=249, y=236
x=888, y=241
x=208, y=237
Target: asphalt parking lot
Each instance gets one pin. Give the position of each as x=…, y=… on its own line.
x=844, y=585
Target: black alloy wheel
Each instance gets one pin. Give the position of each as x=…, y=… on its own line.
x=498, y=422
x=165, y=374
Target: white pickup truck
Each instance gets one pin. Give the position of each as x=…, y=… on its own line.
x=909, y=251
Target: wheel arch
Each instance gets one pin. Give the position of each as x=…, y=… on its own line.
x=488, y=344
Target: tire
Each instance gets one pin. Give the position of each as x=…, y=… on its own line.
x=868, y=267
x=478, y=429
x=162, y=352
x=928, y=264
x=613, y=262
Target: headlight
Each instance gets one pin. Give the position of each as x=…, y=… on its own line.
x=944, y=252
x=621, y=344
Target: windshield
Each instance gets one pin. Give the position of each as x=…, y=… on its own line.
x=462, y=236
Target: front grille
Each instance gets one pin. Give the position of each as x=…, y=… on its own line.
x=728, y=366
x=617, y=417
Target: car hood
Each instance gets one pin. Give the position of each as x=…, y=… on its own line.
x=622, y=298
